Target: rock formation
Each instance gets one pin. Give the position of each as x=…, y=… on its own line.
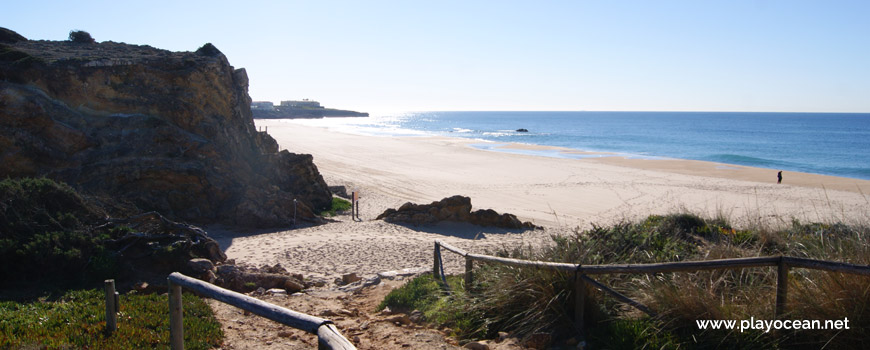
x=170, y=132
x=456, y=208
x=156, y=247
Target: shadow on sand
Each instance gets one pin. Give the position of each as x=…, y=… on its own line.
x=461, y=230
x=224, y=235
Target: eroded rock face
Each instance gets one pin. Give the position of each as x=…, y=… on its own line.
x=167, y=131
x=456, y=208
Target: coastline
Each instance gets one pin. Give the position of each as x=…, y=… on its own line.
x=559, y=191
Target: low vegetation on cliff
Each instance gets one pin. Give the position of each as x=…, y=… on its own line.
x=48, y=233
x=51, y=237
x=525, y=301
x=53, y=242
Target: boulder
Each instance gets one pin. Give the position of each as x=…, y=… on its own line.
x=539, y=341
x=200, y=267
x=350, y=278
x=455, y=208
x=476, y=345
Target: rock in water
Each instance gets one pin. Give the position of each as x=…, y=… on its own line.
x=166, y=131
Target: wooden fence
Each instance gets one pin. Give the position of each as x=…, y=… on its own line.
x=327, y=335
x=581, y=272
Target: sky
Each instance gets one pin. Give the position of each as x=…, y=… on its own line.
x=387, y=57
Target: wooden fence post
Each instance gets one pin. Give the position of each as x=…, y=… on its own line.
x=469, y=275
x=579, y=301
x=111, y=307
x=436, y=261
x=781, y=288
x=176, y=320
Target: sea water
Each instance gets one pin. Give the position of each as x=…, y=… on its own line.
x=820, y=143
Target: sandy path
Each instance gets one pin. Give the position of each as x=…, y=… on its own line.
x=366, y=248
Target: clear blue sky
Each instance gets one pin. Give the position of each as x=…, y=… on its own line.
x=390, y=56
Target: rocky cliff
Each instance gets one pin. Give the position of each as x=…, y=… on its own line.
x=165, y=131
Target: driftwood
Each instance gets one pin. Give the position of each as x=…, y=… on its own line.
x=236, y=278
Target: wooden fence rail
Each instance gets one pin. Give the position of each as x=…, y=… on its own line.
x=327, y=335
x=581, y=272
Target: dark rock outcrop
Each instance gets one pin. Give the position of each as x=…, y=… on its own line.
x=170, y=132
x=244, y=279
x=156, y=247
x=456, y=208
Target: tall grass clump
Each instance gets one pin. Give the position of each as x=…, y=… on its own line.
x=524, y=301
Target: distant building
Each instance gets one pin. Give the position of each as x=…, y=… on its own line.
x=265, y=105
x=303, y=103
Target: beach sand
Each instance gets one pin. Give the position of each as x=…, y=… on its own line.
x=559, y=194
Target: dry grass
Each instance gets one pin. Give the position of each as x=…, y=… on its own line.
x=525, y=301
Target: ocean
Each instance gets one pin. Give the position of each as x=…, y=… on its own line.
x=819, y=143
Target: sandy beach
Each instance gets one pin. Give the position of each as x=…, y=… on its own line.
x=558, y=194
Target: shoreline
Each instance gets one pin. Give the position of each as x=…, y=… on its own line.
x=423, y=169
x=376, y=127
x=695, y=167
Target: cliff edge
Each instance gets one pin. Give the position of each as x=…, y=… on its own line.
x=165, y=131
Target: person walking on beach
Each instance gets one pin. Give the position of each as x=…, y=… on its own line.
x=779, y=177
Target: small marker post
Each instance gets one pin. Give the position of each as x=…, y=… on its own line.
x=354, y=206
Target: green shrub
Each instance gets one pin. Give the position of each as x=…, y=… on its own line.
x=417, y=294
x=81, y=37
x=18, y=59
x=439, y=307
x=338, y=205
x=45, y=234
x=208, y=50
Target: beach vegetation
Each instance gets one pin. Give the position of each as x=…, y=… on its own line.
x=337, y=206
x=46, y=235
x=208, y=50
x=18, y=59
x=81, y=37
x=440, y=305
x=525, y=301
x=76, y=320
x=54, y=245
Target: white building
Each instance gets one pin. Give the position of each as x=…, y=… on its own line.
x=266, y=105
